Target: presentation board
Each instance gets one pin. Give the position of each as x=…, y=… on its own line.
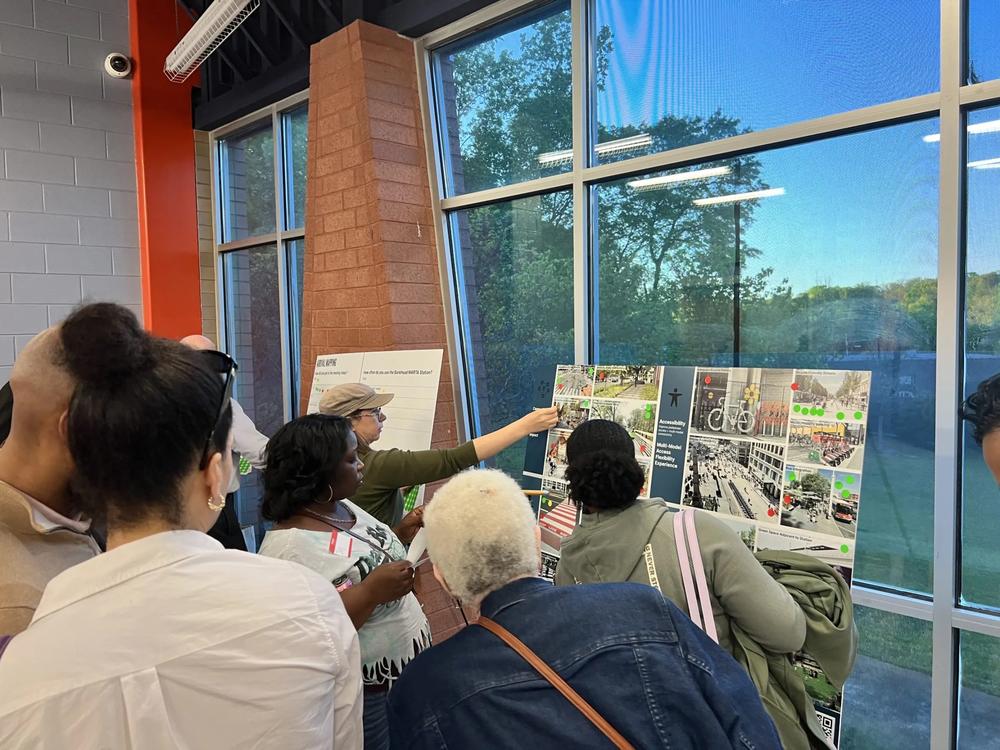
x=412, y=375
x=775, y=453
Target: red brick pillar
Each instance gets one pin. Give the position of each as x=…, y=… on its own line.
x=371, y=279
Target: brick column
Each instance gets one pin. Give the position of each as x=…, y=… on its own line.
x=371, y=279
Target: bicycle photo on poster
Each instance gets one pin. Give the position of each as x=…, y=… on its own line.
x=742, y=402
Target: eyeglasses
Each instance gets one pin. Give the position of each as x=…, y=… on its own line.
x=226, y=367
x=376, y=412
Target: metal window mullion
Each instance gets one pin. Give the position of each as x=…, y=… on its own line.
x=458, y=358
x=278, y=144
x=217, y=191
x=980, y=93
x=899, y=604
x=949, y=379
x=582, y=348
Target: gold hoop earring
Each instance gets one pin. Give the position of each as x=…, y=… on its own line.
x=216, y=505
x=329, y=499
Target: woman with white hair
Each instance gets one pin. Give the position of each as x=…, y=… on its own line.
x=646, y=676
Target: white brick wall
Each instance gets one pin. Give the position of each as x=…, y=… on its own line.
x=68, y=230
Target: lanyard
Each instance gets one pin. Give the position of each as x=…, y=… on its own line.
x=334, y=524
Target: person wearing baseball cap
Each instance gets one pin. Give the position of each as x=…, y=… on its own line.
x=388, y=471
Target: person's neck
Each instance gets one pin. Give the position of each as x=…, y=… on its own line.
x=23, y=471
x=118, y=536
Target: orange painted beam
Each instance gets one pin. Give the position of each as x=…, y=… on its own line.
x=165, y=172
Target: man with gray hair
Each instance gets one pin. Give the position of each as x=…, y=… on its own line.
x=638, y=671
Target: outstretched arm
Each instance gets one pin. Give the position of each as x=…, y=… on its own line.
x=537, y=420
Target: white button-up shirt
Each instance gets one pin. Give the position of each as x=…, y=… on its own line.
x=172, y=641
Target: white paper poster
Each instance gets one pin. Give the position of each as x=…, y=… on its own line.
x=413, y=376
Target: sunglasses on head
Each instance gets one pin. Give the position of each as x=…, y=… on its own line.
x=225, y=366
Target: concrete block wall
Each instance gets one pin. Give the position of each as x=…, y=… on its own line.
x=68, y=226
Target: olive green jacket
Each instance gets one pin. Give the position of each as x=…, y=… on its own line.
x=608, y=547
x=387, y=471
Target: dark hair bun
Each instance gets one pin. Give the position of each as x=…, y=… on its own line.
x=605, y=479
x=104, y=343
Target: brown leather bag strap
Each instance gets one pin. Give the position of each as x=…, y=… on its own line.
x=557, y=682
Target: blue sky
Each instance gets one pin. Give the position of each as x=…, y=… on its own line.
x=857, y=208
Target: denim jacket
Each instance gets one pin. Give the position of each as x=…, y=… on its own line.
x=633, y=655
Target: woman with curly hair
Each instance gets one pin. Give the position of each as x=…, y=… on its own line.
x=620, y=535
x=312, y=467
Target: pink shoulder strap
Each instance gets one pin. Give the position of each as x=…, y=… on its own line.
x=692, y=567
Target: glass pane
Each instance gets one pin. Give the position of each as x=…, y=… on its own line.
x=671, y=73
x=247, y=175
x=296, y=126
x=984, y=53
x=887, y=700
x=296, y=258
x=253, y=326
x=981, y=521
x=505, y=101
x=836, y=269
x=979, y=692
x=516, y=270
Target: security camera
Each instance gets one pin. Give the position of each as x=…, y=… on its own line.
x=118, y=65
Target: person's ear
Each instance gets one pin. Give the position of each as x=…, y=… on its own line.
x=64, y=426
x=216, y=480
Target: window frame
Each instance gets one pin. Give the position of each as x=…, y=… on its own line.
x=283, y=238
x=950, y=103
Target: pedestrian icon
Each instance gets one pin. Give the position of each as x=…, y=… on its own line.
x=674, y=395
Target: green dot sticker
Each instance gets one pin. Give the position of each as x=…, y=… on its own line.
x=841, y=415
x=844, y=548
x=791, y=476
x=797, y=408
x=820, y=412
x=649, y=411
x=849, y=479
x=585, y=404
x=845, y=494
x=858, y=415
x=839, y=485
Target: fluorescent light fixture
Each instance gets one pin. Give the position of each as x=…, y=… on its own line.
x=993, y=163
x=652, y=183
x=219, y=20
x=603, y=149
x=990, y=126
x=734, y=197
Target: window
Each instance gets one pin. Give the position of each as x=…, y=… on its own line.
x=515, y=265
x=295, y=125
x=771, y=184
x=260, y=245
x=505, y=102
x=984, y=54
x=247, y=171
x=981, y=503
x=887, y=700
x=979, y=692
x=799, y=292
x=757, y=65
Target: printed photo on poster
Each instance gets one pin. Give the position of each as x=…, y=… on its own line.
x=846, y=499
x=742, y=401
x=834, y=394
x=806, y=503
x=574, y=380
x=558, y=515
x=734, y=477
x=637, y=417
x=747, y=531
x=834, y=444
x=572, y=412
x=555, y=455
x=636, y=382
x=837, y=553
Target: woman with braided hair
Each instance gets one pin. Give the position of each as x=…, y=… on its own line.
x=312, y=468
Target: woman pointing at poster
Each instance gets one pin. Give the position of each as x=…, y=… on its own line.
x=386, y=472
